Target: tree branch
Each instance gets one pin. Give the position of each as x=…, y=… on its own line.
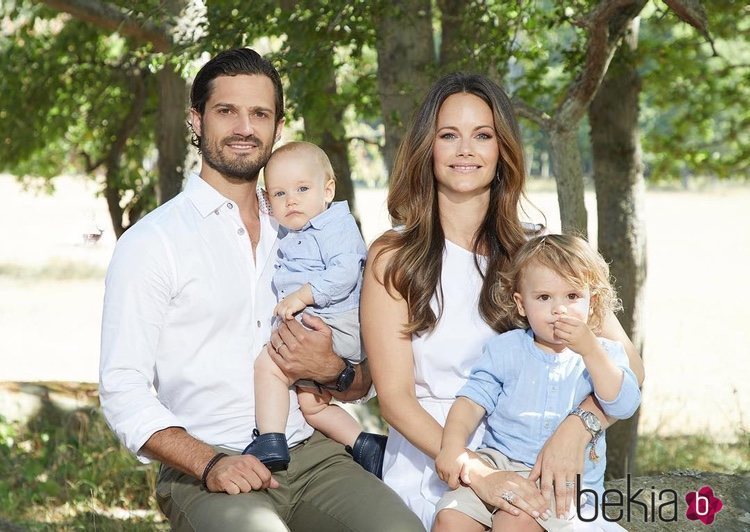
x=531, y=113
x=366, y=140
x=109, y=17
x=606, y=24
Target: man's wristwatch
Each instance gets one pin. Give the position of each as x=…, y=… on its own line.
x=593, y=425
x=343, y=381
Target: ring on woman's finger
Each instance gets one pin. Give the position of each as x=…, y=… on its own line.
x=281, y=344
x=508, y=496
x=569, y=483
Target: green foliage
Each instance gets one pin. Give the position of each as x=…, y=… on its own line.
x=695, y=113
x=67, y=91
x=66, y=471
x=656, y=455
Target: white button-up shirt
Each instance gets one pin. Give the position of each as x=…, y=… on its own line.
x=186, y=311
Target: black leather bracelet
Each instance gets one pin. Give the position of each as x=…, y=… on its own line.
x=209, y=466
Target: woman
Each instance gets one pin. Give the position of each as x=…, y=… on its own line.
x=427, y=298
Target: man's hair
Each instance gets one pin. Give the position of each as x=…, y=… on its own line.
x=234, y=62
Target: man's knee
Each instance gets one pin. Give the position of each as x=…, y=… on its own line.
x=220, y=512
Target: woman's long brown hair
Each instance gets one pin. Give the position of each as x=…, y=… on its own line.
x=415, y=267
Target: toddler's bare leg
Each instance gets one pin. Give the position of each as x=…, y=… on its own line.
x=271, y=395
x=331, y=420
x=452, y=520
x=502, y=520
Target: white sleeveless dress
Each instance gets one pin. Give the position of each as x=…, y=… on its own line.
x=442, y=361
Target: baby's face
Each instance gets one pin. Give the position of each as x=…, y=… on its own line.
x=297, y=189
x=544, y=296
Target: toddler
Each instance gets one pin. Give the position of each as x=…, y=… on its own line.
x=529, y=380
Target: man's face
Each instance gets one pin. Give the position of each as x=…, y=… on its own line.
x=237, y=128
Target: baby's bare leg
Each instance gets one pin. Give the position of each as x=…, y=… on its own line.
x=331, y=420
x=448, y=520
x=271, y=395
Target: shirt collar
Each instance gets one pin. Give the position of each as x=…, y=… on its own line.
x=206, y=198
x=334, y=212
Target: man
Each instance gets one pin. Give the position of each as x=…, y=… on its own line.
x=188, y=306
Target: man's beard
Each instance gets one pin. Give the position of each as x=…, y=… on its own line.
x=239, y=167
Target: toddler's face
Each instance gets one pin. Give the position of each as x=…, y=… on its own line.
x=545, y=296
x=297, y=189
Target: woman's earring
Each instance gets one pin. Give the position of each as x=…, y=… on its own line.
x=498, y=176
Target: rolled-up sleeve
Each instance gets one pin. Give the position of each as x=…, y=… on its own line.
x=138, y=290
x=627, y=401
x=483, y=386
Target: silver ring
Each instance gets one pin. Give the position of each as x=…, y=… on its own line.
x=569, y=484
x=508, y=496
x=282, y=344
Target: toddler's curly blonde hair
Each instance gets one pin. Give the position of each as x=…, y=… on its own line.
x=574, y=260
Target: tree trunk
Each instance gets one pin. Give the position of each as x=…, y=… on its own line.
x=406, y=58
x=113, y=161
x=566, y=166
x=618, y=177
x=171, y=133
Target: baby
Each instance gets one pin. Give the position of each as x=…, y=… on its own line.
x=321, y=256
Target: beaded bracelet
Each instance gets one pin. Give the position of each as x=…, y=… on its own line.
x=209, y=466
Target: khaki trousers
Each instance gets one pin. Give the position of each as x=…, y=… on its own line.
x=323, y=490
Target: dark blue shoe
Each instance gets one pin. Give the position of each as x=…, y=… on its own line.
x=271, y=449
x=368, y=451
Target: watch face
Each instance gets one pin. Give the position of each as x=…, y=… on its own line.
x=345, y=379
x=593, y=422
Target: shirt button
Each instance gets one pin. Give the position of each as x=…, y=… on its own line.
x=299, y=242
x=240, y=231
x=258, y=323
x=216, y=212
x=230, y=206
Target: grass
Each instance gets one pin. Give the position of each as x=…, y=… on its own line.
x=64, y=470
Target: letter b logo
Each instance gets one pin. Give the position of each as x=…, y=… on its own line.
x=703, y=505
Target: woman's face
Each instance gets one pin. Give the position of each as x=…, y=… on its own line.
x=466, y=151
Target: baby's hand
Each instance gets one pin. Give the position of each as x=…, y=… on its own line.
x=288, y=307
x=449, y=463
x=575, y=334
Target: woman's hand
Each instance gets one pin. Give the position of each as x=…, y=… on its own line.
x=559, y=461
x=506, y=490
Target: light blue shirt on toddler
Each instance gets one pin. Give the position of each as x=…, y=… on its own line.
x=329, y=254
x=526, y=393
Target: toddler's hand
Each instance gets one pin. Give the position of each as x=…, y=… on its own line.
x=575, y=334
x=449, y=463
x=288, y=307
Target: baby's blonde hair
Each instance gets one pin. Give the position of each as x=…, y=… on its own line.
x=309, y=149
x=574, y=260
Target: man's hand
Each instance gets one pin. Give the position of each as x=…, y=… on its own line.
x=305, y=352
x=240, y=474
x=576, y=335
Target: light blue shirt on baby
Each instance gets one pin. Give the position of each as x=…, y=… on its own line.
x=329, y=254
x=527, y=393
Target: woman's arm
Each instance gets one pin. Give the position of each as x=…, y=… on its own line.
x=383, y=316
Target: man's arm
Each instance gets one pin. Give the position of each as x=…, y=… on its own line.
x=306, y=353
x=174, y=447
